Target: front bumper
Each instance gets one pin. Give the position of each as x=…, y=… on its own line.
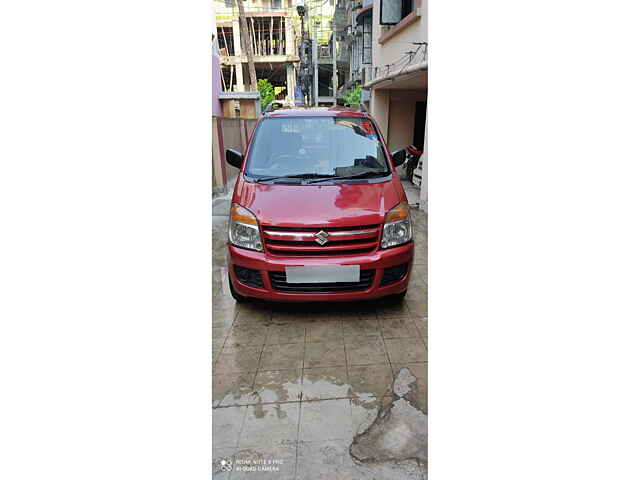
x=377, y=260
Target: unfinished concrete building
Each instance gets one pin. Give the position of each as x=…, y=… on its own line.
x=272, y=28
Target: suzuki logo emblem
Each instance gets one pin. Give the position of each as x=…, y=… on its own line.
x=322, y=237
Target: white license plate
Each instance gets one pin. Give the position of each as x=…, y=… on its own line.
x=323, y=274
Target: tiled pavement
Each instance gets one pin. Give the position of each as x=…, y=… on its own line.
x=295, y=383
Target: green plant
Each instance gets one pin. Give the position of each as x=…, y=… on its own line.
x=267, y=93
x=354, y=95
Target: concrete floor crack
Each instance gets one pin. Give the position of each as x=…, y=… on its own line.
x=399, y=431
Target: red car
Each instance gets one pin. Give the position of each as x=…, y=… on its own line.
x=318, y=212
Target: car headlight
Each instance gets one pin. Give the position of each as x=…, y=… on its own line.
x=243, y=228
x=397, y=226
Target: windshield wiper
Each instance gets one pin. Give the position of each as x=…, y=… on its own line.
x=299, y=175
x=369, y=174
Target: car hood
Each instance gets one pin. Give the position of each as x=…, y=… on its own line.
x=340, y=205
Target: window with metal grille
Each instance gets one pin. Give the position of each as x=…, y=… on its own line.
x=366, y=39
x=392, y=11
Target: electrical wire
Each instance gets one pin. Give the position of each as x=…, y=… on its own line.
x=320, y=30
x=411, y=58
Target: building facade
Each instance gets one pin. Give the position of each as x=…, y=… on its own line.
x=273, y=27
x=354, y=31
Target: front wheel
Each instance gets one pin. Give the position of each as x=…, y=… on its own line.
x=236, y=296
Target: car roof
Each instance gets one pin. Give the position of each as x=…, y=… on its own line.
x=317, y=112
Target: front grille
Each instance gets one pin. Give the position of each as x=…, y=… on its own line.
x=279, y=283
x=301, y=241
x=393, y=274
x=249, y=277
x=317, y=229
x=316, y=253
x=293, y=242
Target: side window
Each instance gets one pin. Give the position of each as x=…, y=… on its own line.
x=393, y=11
x=407, y=7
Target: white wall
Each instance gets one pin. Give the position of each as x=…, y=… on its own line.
x=396, y=46
x=402, y=108
x=380, y=110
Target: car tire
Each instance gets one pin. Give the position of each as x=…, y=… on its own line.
x=236, y=296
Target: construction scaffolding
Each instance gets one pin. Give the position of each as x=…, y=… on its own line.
x=268, y=35
x=225, y=41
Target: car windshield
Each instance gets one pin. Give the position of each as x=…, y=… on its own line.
x=314, y=147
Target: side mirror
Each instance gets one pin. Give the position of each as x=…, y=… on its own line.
x=234, y=158
x=398, y=157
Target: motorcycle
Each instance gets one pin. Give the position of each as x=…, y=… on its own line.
x=413, y=157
